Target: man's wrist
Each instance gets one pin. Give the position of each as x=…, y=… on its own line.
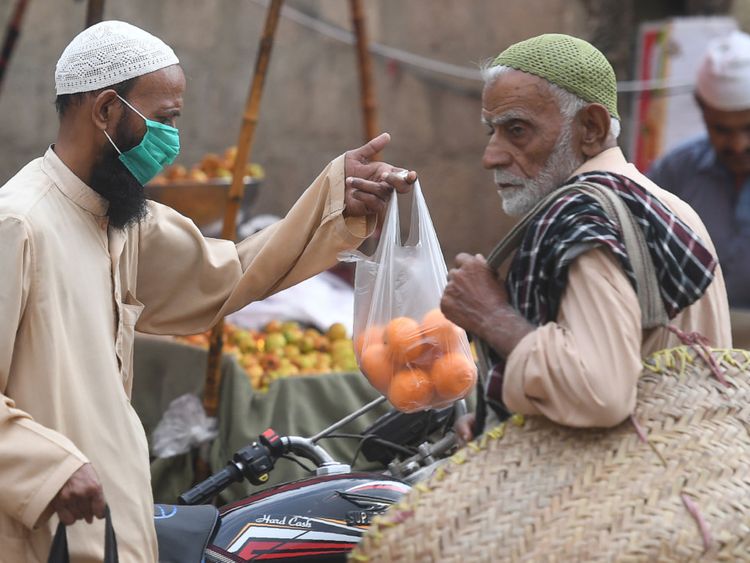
x=504, y=328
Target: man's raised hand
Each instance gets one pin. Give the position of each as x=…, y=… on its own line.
x=369, y=182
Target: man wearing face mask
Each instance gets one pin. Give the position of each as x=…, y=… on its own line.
x=565, y=326
x=85, y=260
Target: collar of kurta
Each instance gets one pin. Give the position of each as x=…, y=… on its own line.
x=609, y=159
x=71, y=185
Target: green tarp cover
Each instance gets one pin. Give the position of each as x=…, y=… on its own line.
x=165, y=370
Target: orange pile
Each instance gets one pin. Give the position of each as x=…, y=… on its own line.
x=211, y=166
x=416, y=365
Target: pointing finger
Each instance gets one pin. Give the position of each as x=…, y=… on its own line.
x=372, y=147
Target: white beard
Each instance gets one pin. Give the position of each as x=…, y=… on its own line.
x=529, y=191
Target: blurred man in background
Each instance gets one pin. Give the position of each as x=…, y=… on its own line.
x=712, y=172
x=566, y=325
x=85, y=260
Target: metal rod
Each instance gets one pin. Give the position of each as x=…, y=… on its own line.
x=236, y=191
x=347, y=419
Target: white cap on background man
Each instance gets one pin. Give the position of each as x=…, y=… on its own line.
x=724, y=74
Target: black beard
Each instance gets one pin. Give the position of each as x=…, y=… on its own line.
x=114, y=182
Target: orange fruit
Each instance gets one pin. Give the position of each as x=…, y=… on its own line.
x=175, y=172
x=377, y=365
x=404, y=338
x=410, y=389
x=230, y=155
x=197, y=175
x=371, y=335
x=427, y=356
x=441, y=331
x=210, y=163
x=453, y=375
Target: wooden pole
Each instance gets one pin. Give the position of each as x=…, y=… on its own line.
x=369, y=108
x=367, y=96
x=94, y=12
x=11, y=35
x=234, y=199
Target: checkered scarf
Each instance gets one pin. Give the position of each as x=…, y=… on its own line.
x=576, y=222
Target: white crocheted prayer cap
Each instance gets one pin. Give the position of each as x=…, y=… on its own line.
x=108, y=53
x=724, y=74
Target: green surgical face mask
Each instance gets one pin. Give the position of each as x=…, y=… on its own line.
x=158, y=148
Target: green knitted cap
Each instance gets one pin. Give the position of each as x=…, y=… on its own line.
x=571, y=63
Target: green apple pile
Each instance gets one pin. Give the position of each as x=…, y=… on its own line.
x=284, y=349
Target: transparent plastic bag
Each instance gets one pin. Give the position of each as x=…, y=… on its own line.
x=404, y=345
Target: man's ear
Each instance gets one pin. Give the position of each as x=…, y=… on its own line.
x=106, y=109
x=593, y=123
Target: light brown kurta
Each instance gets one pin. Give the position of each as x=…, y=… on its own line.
x=582, y=369
x=72, y=293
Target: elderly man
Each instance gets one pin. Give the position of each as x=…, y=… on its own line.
x=85, y=261
x=566, y=323
x=712, y=172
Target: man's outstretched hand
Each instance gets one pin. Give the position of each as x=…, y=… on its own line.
x=80, y=498
x=369, y=183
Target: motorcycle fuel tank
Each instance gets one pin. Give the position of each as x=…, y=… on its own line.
x=316, y=519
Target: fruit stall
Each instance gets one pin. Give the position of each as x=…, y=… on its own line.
x=295, y=379
x=284, y=349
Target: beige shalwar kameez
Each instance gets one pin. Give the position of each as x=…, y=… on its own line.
x=72, y=293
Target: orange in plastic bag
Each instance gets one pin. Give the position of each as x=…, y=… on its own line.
x=411, y=389
x=377, y=362
x=405, y=346
x=453, y=375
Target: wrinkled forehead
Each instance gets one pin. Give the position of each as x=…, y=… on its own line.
x=164, y=87
x=517, y=93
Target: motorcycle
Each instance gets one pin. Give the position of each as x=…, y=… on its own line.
x=318, y=518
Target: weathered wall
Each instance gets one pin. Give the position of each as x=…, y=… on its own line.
x=310, y=111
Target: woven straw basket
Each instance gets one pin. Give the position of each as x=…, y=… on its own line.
x=671, y=484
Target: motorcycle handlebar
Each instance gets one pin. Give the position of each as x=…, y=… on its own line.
x=307, y=449
x=206, y=490
x=254, y=462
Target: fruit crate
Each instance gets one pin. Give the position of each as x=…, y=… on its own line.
x=203, y=201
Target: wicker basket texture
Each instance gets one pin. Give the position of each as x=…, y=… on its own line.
x=671, y=484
